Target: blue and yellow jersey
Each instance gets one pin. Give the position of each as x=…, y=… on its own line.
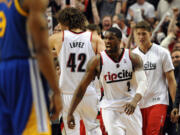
x=23, y=89
x=13, y=33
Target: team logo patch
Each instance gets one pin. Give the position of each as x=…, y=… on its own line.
x=116, y=77
x=149, y=66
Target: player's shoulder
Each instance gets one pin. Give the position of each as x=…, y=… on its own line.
x=56, y=36
x=160, y=49
x=34, y=4
x=94, y=35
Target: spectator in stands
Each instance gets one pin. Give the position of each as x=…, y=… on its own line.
x=175, y=54
x=119, y=19
x=108, y=7
x=169, y=127
x=166, y=6
x=172, y=31
x=106, y=23
x=119, y=22
x=105, y=8
x=125, y=5
x=175, y=112
x=141, y=10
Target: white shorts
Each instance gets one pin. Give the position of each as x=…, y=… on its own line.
x=118, y=123
x=87, y=111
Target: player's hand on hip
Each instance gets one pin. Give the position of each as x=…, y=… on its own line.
x=129, y=108
x=174, y=115
x=56, y=105
x=70, y=121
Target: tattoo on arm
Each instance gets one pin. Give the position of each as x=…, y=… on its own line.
x=136, y=61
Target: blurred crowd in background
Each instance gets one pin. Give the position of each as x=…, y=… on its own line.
x=163, y=15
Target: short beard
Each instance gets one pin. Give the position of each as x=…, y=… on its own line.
x=115, y=50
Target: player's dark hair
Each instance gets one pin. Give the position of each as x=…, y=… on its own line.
x=116, y=31
x=94, y=27
x=143, y=25
x=72, y=18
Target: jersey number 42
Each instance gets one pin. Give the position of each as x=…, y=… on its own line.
x=72, y=62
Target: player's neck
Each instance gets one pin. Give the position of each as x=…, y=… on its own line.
x=76, y=30
x=116, y=55
x=145, y=48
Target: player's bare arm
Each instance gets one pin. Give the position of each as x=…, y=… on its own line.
x=93, y=68
x=55, y=41
x=141, y=81
x=97, y=43
x=171, y=84
x=136, y=61
x=37, y=26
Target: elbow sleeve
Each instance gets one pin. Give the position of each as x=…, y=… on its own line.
x=141, y=81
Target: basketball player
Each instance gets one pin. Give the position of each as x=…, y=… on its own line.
x=23, y=89
x=158, y=67
x=115, y=68
x=75, y=46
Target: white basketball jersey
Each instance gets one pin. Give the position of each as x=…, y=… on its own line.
x=116, y=80
x=75, y=53
x=157, y=61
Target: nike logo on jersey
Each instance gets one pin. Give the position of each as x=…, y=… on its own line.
x=121, y=76
x=76, y=44
x=149, y=66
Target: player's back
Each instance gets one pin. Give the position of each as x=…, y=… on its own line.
x=13, y=33
x=75, y=53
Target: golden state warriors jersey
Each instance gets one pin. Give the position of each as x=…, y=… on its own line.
x=13, y=41
x=23, y=89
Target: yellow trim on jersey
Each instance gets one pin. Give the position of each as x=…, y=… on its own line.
x=32, y=127
x=19, y=9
